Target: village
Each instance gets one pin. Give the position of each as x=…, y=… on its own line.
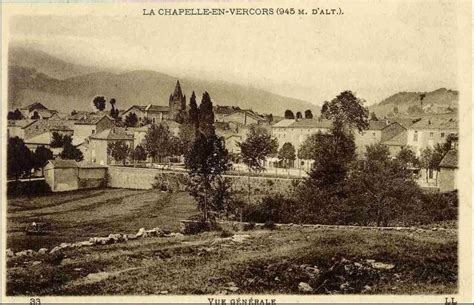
x=93, y=132
x=99, y=198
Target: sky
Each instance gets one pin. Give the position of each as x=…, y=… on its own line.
x=374, y=50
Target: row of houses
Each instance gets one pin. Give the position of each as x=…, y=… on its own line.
x=92, y=132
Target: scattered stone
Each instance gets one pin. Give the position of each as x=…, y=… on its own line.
x=96, y=277
x=36, y=263
x=239, y=237
x=344, y=286
x=42, y=251
x=85, y=243
x=233, y=289
x=304, y=287
x=77, y=269
x=131, y=237
x=164, y=292
x=10, y=253
x=24, y=253
x=379, y=265
x=55, y=249
x=370, y=261
x=367, y=288
x=140, y=233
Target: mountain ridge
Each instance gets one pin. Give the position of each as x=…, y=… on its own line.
x=35, y=83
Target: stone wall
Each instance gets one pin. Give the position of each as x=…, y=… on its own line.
x=145, y=178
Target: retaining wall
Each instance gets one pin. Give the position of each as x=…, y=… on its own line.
x=144, y=178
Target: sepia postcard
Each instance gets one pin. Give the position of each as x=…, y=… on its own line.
x=236, y=152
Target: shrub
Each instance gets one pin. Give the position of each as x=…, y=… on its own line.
x=199, y=225
x=226, y=233
x=270, y=225
x=249, y=226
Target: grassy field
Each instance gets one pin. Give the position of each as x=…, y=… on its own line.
x=252, y=262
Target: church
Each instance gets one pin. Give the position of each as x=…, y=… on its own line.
x=157, y=113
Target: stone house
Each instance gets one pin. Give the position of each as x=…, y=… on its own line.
x=97, y=146
x=430, y=131
x=448, y=170
x=396, y=143
x=243, y=117
x=68, y=175
x=377, y=132
x=91, y=124
x=37, y=109
x=39, y=127
x=16, y=128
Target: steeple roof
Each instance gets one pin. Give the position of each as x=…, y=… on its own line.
x=177, y=94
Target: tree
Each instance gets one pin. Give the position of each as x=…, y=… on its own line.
x=15, y=115
x=258, y=145
x=206, y=162
x=70, y=151
x=193, y=111
x=41, y=156
x=19, y=158
x=287, y=154
x=187, y=135
x=35, y=116
x=407, y=157
x=138, y=154
x=99, y=102
x=159, y=142
x=119, y=151
x=131, y=119
x=383, y=188
x=74, y=112
x=299, y=116
x=114, y=112
x=308, y=114
x=206, y=116
x=373, y=116
x=289, y=115
x=347, y=109
x=332, y=154
x=56, y=140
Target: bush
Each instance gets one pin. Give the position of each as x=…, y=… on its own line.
x=249, y=226
x=199, y=225
x=269, y=225
x=226, y=233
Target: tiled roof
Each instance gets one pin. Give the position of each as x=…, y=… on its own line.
x=303, y=123
x=442, y=123
x=91, y=119
x=378, y=125
x=34, y=106
x=398, y=140
x=61, y=163
x=42, y=139
x=157, y=108
x=450, y=160
x=19, y=123
x=116, y=133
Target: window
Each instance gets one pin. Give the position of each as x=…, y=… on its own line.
x=430, y=174
x=415, y=136
x=373, y=134
x=93, y=131
x=431, y=134
x=442, y=135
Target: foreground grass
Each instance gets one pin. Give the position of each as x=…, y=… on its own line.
x=76, y=216
x=265, y=262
